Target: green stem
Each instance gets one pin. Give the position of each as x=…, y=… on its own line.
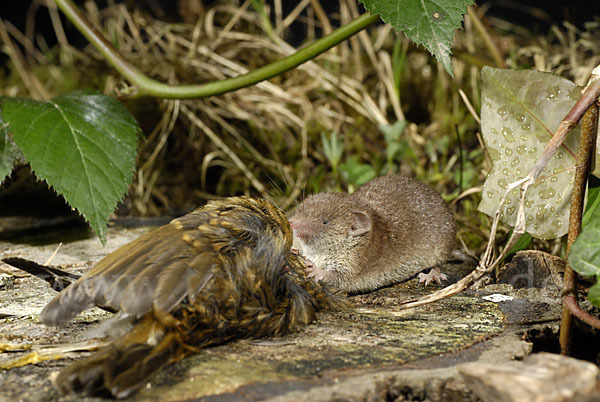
x=146, y=86
x=259, y=7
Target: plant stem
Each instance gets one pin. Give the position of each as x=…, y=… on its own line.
x=259, y=7
x=589, y=128
x=588, y=98
x=146, y=86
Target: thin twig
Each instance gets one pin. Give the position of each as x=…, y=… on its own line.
x=49, y=260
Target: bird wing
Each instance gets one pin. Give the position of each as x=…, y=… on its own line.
x=153, y=269
x=162, y=268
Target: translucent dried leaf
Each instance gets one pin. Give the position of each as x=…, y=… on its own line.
x=520, y=112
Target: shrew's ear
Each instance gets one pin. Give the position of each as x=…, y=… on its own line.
x=362, y=223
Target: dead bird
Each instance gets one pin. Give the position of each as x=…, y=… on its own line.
x=222, y=272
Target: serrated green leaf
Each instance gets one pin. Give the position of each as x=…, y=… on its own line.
x=8, y=152
x=83, y=144
x=520, y=112
x=430, y=23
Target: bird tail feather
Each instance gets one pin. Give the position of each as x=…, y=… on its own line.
x=122, y=367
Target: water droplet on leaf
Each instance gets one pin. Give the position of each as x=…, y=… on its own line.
x=508, y=134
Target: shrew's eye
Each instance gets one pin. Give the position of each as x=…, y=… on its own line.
x=325, y=222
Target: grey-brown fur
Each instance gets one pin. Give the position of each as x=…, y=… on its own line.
x=388, y=230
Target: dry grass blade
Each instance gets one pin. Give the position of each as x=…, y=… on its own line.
x=469, y=106
x=219, y=143
x=32, y=83
x=40, y=353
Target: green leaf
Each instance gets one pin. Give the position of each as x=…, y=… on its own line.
x=83, y=144
x=594, y=294
x=356, y=173
x=8, y=152
x=522, y=243
x=584, y=256
x=398, y=61
x=520, y=111
x=333, y=147
x=392, y=135
x=593, y=199
x=430, y=23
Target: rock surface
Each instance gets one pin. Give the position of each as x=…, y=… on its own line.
x=540, y=377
